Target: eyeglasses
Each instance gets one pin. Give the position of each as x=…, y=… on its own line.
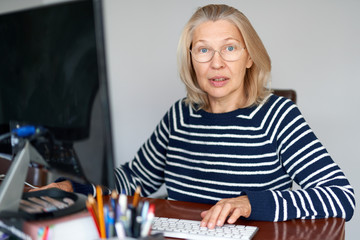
x=230, y=53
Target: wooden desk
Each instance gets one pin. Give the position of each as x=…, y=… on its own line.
x=331, y=228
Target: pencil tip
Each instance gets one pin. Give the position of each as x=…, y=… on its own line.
x=114, y=194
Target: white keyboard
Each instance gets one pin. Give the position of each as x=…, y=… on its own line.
x=189, y=229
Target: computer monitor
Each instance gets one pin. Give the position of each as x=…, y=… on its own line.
x=53, y=77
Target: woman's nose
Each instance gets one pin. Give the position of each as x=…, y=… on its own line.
x=217, y=61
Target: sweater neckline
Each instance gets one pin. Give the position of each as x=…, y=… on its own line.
x=246, y=113
x=235, y=113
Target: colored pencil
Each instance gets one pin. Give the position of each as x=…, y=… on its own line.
x=99, y=198
x=92, y=213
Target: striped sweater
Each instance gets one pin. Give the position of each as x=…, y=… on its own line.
x=258, y=151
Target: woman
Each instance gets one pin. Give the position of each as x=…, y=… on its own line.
x=231, y=142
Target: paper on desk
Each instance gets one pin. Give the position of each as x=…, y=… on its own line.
x=81, y=228
x=75, y=226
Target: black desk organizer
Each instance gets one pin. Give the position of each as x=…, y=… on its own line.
x=78, y=205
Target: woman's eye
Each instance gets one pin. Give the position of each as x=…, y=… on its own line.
x=230, y=48
x=203, y=50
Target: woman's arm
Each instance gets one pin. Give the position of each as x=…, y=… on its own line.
x=325, y=191
x=63, y=185
x=147, y=167
x=145, y=170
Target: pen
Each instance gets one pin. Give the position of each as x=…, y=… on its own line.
x=46, y=232
x=123, y=202
x=128, y=220
x=54, y=202
x=144, y=211
x=136, y=197
x=117, y=213
x=110, y=224
x=137, y=220
x=106, y=220
x=131, y=215
x=47, y=207
x=92, y=213
x=120, y=232
x=99, y=198
x=93, y=204
x=68, y=201
x=145, y=230
x=113, y=199
x=34, y=207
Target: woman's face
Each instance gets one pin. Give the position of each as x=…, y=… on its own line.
x=222, y=80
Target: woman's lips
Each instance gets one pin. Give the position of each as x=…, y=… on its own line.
x=218, y=81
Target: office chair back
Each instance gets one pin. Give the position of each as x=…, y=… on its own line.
x=288, y=93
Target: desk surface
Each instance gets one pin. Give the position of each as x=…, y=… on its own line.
x=329, y=229
x=332, y=228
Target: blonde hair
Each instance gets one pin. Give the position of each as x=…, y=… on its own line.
x=256, y=77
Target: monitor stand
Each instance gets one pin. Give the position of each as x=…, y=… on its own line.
x=12, y=188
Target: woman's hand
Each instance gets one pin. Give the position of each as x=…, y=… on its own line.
x=229, y=207
x=64, y=185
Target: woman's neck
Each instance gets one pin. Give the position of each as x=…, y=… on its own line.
x=223, y=106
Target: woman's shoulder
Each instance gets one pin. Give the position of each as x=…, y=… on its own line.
x=278, y=100
x=278, y=104
x=281, y=108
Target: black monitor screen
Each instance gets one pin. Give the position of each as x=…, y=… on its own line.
x=52, y=74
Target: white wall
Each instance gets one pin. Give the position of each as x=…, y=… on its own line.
x=314, y=46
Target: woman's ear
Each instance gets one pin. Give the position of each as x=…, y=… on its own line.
x=249, y=62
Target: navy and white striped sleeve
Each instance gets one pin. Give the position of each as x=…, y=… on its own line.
x=147, y=167
x=325, y=191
